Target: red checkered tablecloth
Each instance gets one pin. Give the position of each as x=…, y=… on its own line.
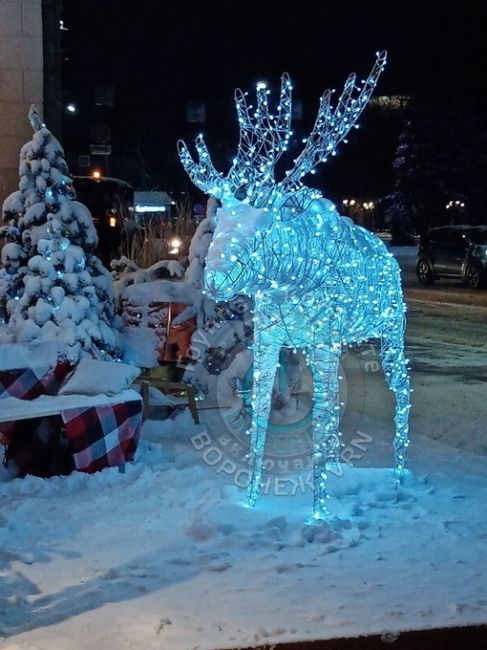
x=103, y=436
x=98, y=436
x=29, y=383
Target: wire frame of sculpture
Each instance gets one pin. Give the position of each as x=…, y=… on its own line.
x=317, y=280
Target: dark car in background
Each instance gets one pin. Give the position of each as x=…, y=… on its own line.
x=453, y=252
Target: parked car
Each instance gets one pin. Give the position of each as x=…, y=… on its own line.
x=453, y=252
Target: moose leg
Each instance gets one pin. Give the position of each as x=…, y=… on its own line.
x=396, y=373
x=326, y=417
x=266, y=358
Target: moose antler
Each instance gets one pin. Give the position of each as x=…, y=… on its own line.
x=203, y=173
x=332, y=126
x=263, y=139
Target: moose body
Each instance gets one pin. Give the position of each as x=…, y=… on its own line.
x=344, y=290
x=318, y=281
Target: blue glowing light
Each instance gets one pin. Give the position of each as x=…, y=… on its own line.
x=318, y=281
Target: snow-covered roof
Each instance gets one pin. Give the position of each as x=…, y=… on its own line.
x=109, y=179
x=152, y=198
x=152, y=201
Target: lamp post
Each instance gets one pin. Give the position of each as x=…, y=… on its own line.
x=370, y=208
x=349, y=205
x=355, y=210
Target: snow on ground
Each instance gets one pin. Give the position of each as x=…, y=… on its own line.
x=167, y=556
x=447, y=344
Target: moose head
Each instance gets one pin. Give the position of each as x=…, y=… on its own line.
x=254, y=203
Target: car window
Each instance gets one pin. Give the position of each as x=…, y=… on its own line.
x=457, y=238
x=439, y=236
x=477, y=236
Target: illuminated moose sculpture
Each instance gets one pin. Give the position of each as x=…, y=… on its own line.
x=317, y=280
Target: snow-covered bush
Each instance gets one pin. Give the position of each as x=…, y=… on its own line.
x=126, y=272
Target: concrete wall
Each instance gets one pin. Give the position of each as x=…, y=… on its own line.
x=21, y=82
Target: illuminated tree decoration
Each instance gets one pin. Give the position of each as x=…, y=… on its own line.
x=317, y=280
x=63, y=293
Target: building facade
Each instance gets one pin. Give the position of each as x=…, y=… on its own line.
x=21, y=82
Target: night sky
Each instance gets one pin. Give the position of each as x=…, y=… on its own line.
x=159, y=55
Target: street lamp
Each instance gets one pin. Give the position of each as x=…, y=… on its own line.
x=369, y=207
x=455, y=204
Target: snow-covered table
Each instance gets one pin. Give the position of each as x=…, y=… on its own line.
x=102, y=431
x=14, y=409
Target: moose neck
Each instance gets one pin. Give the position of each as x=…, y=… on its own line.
x=295, y=256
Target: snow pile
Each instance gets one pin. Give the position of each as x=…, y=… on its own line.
x=126, y=273
x=404, y=251
x=17, y=355
x=94, y=377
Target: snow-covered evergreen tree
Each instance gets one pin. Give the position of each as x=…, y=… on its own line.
x=67, y=292
x=437, y=160
x=419, y=193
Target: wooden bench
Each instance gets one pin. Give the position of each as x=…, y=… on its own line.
x=156, y=377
